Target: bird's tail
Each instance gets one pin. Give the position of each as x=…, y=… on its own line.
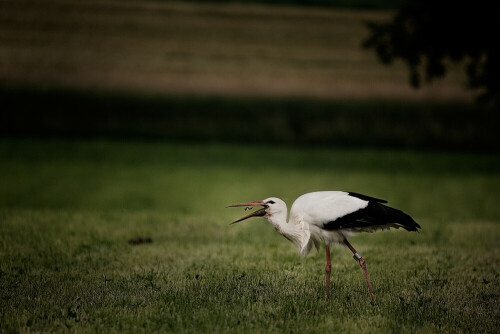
x=401, y=219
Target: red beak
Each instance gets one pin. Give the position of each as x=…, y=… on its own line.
x=259, y=213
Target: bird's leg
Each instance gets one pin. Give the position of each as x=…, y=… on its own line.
x=361, y=261
x=328, y=269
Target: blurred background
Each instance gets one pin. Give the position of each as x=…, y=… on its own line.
x=294, y=72
x=122, y=119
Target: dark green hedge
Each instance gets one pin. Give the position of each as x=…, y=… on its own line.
x=56, y=113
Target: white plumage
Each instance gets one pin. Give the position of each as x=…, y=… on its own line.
x=313, y=210
x=331, y=217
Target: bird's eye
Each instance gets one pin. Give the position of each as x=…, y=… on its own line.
x=270, y=202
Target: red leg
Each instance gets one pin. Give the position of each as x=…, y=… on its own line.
x=328, y=269
x=361, y=261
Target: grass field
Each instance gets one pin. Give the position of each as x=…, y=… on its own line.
x=67, y=210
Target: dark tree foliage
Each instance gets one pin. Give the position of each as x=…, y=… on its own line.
x=428, y=35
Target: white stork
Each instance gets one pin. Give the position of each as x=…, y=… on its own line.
x=331, y=217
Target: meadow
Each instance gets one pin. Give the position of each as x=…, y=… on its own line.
x=128, y=119
x=69, y=208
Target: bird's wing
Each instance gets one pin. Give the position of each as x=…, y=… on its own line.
x=334, y=210
x=321, y=207
x=366, y=198
x=373, y=215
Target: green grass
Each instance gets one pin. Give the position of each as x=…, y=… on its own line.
x=67, y=210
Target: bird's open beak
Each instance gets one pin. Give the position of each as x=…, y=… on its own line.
x=259, y=213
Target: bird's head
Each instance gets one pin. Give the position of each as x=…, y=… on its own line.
x=272, y=208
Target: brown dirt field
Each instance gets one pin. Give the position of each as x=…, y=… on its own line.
x=192, y=48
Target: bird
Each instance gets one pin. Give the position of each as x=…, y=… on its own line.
x=330, y=217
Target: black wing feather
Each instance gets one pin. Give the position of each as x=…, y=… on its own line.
x=374, y=214
x=366, y=198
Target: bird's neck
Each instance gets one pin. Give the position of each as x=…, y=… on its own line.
x=279, y=222
x=293, y=232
